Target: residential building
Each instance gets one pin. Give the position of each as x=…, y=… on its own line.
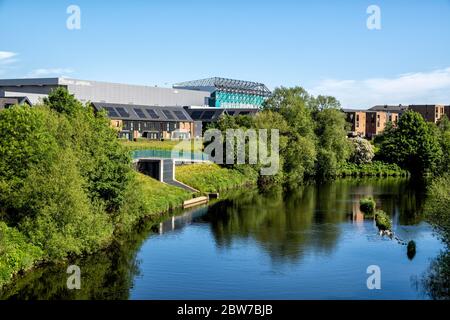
x=375, y=123
x=151, y=122
x=357, y=119
x=430, y=112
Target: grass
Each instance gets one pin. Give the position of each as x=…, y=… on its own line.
x=374, y=169
x=148, y=198
x=211, y=178
x=144, y=144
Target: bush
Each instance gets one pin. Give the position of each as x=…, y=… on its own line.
x=61, y=218
x=363, y=151
x=374, y=169
x=367, y=205
x=383, y=221
x=16, y=253
x=437, y=206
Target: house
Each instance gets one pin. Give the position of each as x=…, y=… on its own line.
x=150, y=122
x=430, y=112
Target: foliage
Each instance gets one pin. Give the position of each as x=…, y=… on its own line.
x=148, y=198
x=374, y=169
x=382, y=220
x=444, y=132
x=16, y=253
x=63, y=102
x=438, y=206
x=367, y=205
x=363, y=151
x=413, y=144
x=333, y=145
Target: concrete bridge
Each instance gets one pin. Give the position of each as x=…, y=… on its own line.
x=161, y=164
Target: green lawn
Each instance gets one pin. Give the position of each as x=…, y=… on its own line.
x=210, y=177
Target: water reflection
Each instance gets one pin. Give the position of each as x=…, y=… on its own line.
x=308, y=217
x=287, y=226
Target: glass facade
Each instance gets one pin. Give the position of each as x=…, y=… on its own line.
x=221, y=99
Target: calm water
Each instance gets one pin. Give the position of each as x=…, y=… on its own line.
x=311, y=243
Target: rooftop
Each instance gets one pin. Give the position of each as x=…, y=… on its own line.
x=226, y=85
x=143, y=113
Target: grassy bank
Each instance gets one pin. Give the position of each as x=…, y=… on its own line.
x=17, y=254
x=212, y=178
x=374, y=169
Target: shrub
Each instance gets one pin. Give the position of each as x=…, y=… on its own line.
x=383, y=221
x=367, y=205
x=363, y=151
x=16, y=253
x=61, y=220
x=437, y=206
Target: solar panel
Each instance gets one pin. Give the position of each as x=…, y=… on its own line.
x=208, y=115
x=111, y=112
x=168, y=114
x=152, y=114
x=140, y=113
x=123, y=112
x=196, y=114
x=180, y=115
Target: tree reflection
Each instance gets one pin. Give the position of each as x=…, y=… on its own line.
x=105, y=275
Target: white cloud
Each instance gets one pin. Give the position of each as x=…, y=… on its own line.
x=411, y=88
x=50, y=72
x=7, y=57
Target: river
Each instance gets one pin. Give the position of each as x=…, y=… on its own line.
x=308, y=243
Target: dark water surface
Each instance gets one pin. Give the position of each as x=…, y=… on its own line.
x=311, y=243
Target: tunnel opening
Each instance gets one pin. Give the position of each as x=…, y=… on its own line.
x=151, y=168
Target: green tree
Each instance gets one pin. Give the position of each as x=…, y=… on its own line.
x=333, y=145
x=62, y=101
x=414, y=145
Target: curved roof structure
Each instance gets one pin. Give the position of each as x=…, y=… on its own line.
x=228, y=85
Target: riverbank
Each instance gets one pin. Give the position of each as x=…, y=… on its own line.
x=17, y=254
x=212, y=178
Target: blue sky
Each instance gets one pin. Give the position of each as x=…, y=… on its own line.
x=323, y=46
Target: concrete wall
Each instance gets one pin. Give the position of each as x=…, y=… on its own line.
x=96, y=91
x=132, y=94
